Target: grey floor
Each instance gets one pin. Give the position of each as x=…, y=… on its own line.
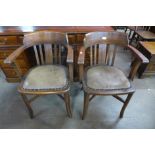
x=103, y=111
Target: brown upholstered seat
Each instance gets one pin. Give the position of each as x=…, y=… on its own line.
x=46, y=77
x=106, y=77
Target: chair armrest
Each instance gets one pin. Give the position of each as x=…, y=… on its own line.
x=139, y=59
x=11, y=58
x=138, y=54
x=70, y=54
x=81, y=55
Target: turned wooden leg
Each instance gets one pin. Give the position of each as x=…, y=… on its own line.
x=125, y=104
x=86, y=103
x=68, y=105
x=27, y=105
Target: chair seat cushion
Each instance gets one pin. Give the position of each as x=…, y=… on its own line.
x=106, y=77
x=46, y=77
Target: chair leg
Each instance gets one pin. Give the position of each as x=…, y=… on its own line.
x=68, y=105
x=86, y=103
x=125, y=104
x=27, y=105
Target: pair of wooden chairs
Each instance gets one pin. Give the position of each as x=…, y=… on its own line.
x=100, y=78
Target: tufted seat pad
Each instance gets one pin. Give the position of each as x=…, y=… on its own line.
x=106, y=77
x=46, y=77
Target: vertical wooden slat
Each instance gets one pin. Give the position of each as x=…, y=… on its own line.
x=114, y=54
x=41, y=54
x=55, y=54
x=95, y=54
x=48, y=53
x=107, y=54
x=36, y=54
x=59, y=54
x=101, y=54
x=91, y=56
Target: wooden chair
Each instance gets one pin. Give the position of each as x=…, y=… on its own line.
x=142, y=33
x=50, y=76
x=101, y=77
x=132, y=30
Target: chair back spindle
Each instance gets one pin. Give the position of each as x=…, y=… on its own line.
x=41, y=54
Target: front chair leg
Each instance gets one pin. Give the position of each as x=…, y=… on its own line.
x=68, y=104
x=125, y=104
x=86, y=103
x=27, y=105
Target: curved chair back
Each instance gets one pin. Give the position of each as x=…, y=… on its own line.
x=101, y=47
x=49, y=47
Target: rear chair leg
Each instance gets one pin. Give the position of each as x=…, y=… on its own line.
x=68, y=105
x=27, y=105
x=125, y=104
x=86, y=103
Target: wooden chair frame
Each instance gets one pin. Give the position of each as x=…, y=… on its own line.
x=137, y=34
x=37, y=38
x=116, y=38
x=131, y=29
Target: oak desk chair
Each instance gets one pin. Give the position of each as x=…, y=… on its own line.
x=143, y=34
x=131, y=29
x=49, y=77
x=101, y=77
x=133, y=35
